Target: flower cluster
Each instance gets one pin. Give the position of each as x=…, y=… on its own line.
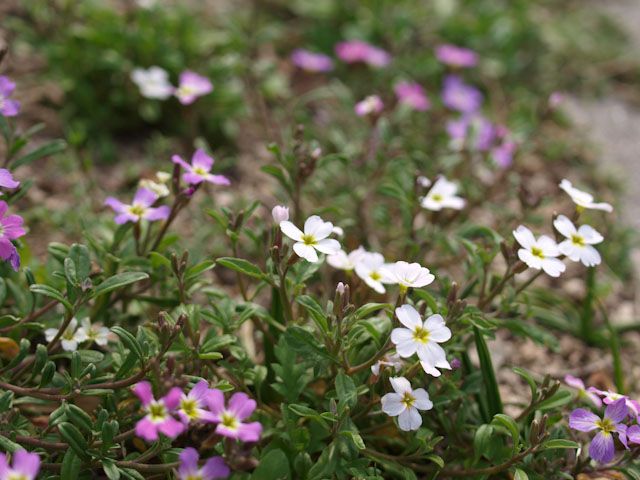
x=154, y=84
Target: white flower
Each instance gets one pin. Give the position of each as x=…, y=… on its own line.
x=314, y=238
x=540, y=253
x=422, y=338
x=146, y=3
x=443, y=195
x=70, y=337
x=153, y=82
x=158, y=187
x=280, y=213
x=369, y=268
x=342, y=261
x=392, y=360
x=405, y=402
x=578, y=246
x=94, y=333
x=408, y=275
x=423, y=181
x=583, y=199
x=338, y=231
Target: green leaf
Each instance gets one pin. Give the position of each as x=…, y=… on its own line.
x=51, y=148
x=79, y=417
x=346, y=390
x=129, y=341
x=529, y=379
x=7, y=445
x=481, y=440
x=355, y=437
x=559, y=443
x=303, y=342
x=273, y=466
x=242, y=266
x=494, y=401
x=367, y=309
x=75, y=439
x=316, y=312
x=118, y=281
x=520, y=475
x=511, y=426
x=51, y=292
x=71, y=465
x=110, y=469
x=558, y=399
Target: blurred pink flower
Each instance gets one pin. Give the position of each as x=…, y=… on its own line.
x=413, y=95
x=192, y=86
x=311, y=61
x=354, y=51
x=371, y=105
x=456, y=56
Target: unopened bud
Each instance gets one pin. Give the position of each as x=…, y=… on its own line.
x=280, y=213
x=316, y=153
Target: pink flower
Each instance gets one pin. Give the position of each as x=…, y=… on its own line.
x=140, y=209
x=6, y=179
x=230, y=418
x=190, y=406
x=609, y=397
x=192, y=86
x=159, y=413
x=354, y=51
x=199, y=169
x=556, y=99
x=10, y=229
x=372, y=105
x=413, y=95
x=8, y=107
x=213, y=468
x=311, y=61
x=25, y=466
x=456, y=56
x=582, y=392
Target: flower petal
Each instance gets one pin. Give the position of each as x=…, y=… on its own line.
x=583, y=420
x=409, y=316
x=291, y=231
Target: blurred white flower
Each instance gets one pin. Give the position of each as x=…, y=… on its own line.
x=583, y=199
x=153, y=82
x=313, y=238
x=423, y=181
x=158, y=187
x=443, y=195
x=280, y=213
x=369, y=267
x=94, y=333
x=338, y=231
x=370, y=105
x=342, y=261
x=146, y=3
x=408, y=275
x=70, y=337
x=405, y=402
x=539, y=253
x=578, y=246
x=422, y=338
x=392, y=360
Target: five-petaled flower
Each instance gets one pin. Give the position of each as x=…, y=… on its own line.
x=413, y=95
x=140, y=209
x=405, y=402
x=371, y=105
x=25, y=466
x=231, y=418
x=158, y=413
x=8, y=107
x=579, y=242
x=602, y=448
x=214, y=467
x=10, y=229
x=313, y=238
x=153, y=82
x=582, y=392
x=456, y=56
x=93, y=333
x=190, y=408
x=608, y=397
x=198, y=171
x=583, y=199
x=408, y=275
x=70, y=338
x=539, y=253
x=370, y=268
x=422, y=338
x=311, y=61
x=442, y=195
x=192, y=86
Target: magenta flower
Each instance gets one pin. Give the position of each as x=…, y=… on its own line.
x=190, y=408
x=159, y=413
x=459, y=96
x=140, y=209
x=602, y=448
x=372, y=105
x=192, y=86
x=474, y=131
x=199, y=169
x=6, y=179
x=25, y=466
x=582, y=392
x=213, y=468
x=8, y=107
x=413, y=95
x=355, y=51
x=230, y=418
x=456, y=56
x=311, y=61
x=10, y=229
x=608, y=397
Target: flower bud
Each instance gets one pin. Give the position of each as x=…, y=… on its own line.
x=280, y=213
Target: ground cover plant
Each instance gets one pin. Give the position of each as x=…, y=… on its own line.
x=289, y=240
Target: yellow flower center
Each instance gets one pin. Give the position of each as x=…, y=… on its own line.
x=606, y=425
x=421, y=335
x=436, y=197
x=229, y=421
x=200, y=171
x=309, y=239
x=193, y=477
x=577, y=240
x=190, y=408
x=137, y=210
x=408, y=400
x=15, y=475
x=537, y=252
x=157, y=412
x=68, y=334
x=375, y=276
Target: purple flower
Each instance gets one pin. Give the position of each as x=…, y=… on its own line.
x=140, y=209
x=582, y=392
x=372, y=105
x=456, y=56
x=413, y=95
x=556, y=99
x=602, y=447
x=354, y=51
x=190, y=406
x=10, y=229
x=199, y=169
x=192, y=86
x=25, y=466
x=633, y=434
x=8, y=107
x=230, y=418
x=212, y=469
x=608, y=397
x=158, y=416
x=475, y=129
x=6, y=179
x=459, y=96
x=311, y=61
